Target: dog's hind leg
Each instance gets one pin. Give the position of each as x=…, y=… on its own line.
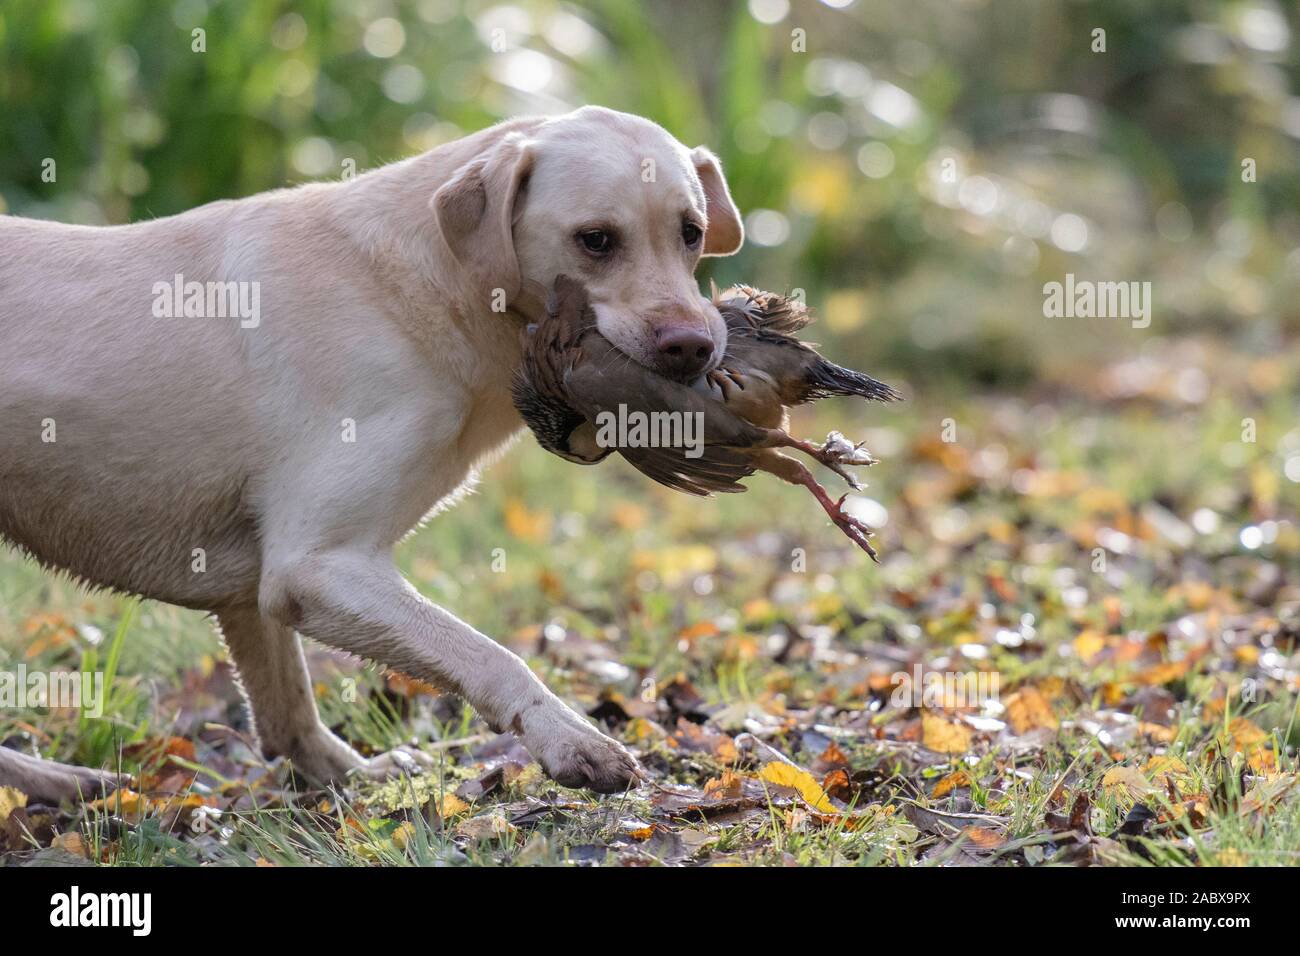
x=47, y=781
x=277, y=685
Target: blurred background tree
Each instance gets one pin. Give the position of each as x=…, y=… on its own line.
x=921, y=169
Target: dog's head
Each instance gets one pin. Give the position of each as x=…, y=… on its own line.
x=613, y=200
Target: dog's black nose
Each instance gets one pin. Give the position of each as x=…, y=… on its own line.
x=684, y=352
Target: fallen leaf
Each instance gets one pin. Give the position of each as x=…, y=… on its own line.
x=1164, y=768
x=636, y=829
x=1127, y=780
x=983, y=838
x=1157, y=732
x=944, y=736
x=486, y=826
x=72, y=843
x=785, y=775
x=450, y=805
x=730, y=786
x=1028, y=710
x=11, y=799
x=1164, y=673
x=1088, y=645
x=1248, y=739
x=522, y=523
x=953, y=781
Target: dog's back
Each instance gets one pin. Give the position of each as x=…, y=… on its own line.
x=111, y=466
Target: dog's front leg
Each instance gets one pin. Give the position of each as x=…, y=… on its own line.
x=357, y=601
x=273, y=676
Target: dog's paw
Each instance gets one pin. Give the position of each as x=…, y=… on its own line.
x=575, y=754
x=323, y=759
x=398, y=762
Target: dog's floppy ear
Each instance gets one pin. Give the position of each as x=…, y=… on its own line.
x=725, y=233
x=476, y=210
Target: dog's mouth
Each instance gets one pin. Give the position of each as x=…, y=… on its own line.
x=680, y=378
x=642, y=350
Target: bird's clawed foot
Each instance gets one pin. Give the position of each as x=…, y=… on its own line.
x=724, y=381
x=836, y=453
x=856, y=531
x=853, y=529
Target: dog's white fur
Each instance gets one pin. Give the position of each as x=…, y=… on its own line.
x=377, y=303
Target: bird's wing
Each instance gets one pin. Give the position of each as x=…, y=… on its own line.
x=549, y=348
x=606, y=382
x=551, y=420
x=717, y=470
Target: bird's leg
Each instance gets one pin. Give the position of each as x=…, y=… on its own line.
x=788, y=469
x=834, y=455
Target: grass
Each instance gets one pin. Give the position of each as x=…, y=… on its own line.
x=692, y=621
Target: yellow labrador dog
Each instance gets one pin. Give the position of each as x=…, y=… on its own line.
x=242, y=408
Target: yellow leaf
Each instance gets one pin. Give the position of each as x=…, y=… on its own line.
x=1128, y=780
x=1157, y=732
x=628, y=516
x=1088, y=645
x=954, y=780
x=642, y=731
x=1052, y=688
x=944, y=736
x=638, y=829
x=785, y=775
x=134, y=807
x=1248, y=739
x=451, y=806
x=1112, y=693
x=403, y=834
x=1028, y=710
x=125, y=803
x=821, y=187
x=1164, y=673
x=845, y=310
x=11, y=798
x=1245, y=734
x=522, y=523
x=1097, y=500
x=674, y=565
x=1164, y=767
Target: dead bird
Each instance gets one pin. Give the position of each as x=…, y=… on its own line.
x=573, y=383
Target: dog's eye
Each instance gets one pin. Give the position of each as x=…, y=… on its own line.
x=691, y=234
x=597, y=241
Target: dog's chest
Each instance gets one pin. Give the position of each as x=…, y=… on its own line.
x=490, y=425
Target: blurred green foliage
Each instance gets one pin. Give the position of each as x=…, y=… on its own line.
x=920, y=168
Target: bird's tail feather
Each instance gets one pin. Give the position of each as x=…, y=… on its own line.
x=827, y=378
